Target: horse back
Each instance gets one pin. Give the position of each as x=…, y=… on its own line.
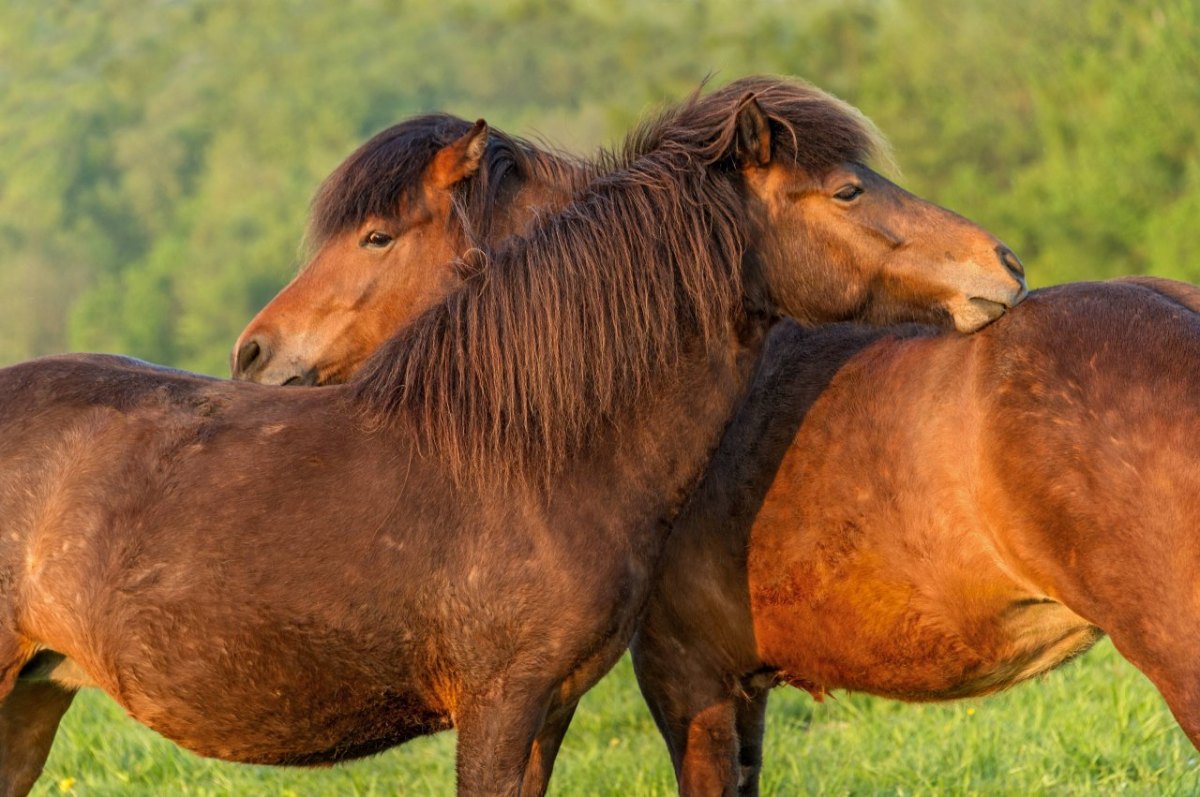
x=1094, y=440
x=69, y=418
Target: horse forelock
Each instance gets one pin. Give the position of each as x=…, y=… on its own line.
x=386, y=173
x=811, y=127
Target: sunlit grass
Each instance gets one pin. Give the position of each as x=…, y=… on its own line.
x=1095, y=727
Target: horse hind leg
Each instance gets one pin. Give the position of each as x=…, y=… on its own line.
x=496, y=735
x=698, y=720
x=1170, y=658
x=698, y=707
x=1157, y=630
x=751, y=726
x=1184, y=702
x=717, y=749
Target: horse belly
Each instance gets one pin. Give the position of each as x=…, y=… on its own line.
x=284, y=714
x=241, y=677
x=881, y=637
x=340, y=732
x=1028, y=637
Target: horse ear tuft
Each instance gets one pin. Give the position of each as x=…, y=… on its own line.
x=476, y=138
x=752, y=145
x=460, y=159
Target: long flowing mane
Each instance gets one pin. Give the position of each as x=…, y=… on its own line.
x=544, y=347
x=386, y=171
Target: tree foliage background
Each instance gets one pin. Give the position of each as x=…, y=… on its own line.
x=157, y=158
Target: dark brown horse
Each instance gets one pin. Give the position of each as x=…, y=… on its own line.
x=926, y=517
x=464, y=534
x=886, y=554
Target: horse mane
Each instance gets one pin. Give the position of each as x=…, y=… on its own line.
x=541, y=350
x=386, y=173
x=809, y=127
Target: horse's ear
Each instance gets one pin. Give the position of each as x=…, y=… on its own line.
x=460, y=159
x=752, y=144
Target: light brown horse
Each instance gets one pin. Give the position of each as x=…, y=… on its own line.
x=884, y=555
x=465, y=533
x=925, y=517
x=389, y=224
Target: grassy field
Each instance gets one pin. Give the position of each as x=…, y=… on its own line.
x=1095, y=727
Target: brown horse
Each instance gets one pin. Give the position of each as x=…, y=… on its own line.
x=882, y=556
x=926, y=517
x=464, y=534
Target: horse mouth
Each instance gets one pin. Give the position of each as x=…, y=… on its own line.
x=977, y=313
x=988, y=307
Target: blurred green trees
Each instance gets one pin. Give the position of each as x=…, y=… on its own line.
x=157, y=158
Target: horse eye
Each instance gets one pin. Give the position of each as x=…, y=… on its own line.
x=376, y=240
x=848, y=193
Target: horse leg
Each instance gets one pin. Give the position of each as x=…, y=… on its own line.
x=29, y=718
x=751, y=725
x=1154, y=624
x=545, y=750
x=693, y=704
x=1164, y=644
x=496, y=732
x=1180, y=687
x=720, y=746
x=698, y=720
x=30, y=710
x=709, y=765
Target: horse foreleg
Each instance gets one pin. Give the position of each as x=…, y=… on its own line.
x=496, y=732
x=29, y=718
x=545, y=750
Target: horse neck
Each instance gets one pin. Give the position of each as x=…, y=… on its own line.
x=652, y=458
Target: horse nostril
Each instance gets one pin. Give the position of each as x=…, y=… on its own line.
x=307, y=379
x=249, y=356
x=1011, y=261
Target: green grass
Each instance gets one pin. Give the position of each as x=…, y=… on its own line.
x=1095, y=727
